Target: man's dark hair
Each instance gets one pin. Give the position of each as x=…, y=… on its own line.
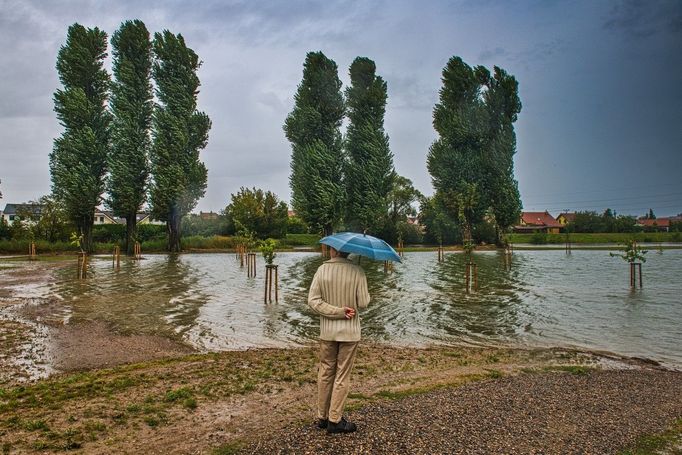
x=343, y=254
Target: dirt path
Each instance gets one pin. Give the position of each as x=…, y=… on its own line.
x=600, y=412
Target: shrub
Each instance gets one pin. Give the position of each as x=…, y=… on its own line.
x=539, y=238
x=109, y=233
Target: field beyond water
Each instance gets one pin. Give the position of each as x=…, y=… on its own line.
x=596, y=238
x=219, y=243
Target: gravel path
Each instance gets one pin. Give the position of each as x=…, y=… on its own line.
x=554, y=413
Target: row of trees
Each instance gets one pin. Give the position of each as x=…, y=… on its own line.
x=344, y=181
x=351, y=181
x=610, y=221
x=134, y=149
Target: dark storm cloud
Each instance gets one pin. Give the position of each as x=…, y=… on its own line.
x=641, y=18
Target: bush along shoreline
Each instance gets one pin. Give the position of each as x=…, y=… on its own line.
x=307, y=242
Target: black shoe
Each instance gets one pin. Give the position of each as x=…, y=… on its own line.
x=343, y=426
x=322, y=424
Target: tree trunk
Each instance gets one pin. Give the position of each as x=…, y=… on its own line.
x=86, y=231
x=328, y=229
x=173, y=225
x=467, y=232
x=131, y=233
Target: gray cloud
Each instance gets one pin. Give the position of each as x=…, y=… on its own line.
x=492, y=54
x=585, y=97
x=641, y=19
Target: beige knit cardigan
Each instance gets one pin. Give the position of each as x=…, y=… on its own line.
x=338, y=283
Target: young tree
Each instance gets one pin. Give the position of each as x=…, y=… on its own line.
x=132, y=106
x=369, y=169
x=52, y=224
x=78, y=161
x=180, y=132
x=400, y=199
x=313, y=128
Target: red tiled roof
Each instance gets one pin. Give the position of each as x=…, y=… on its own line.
x=539, y=219
x=659, y=222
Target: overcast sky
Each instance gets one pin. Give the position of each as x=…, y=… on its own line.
x=600, y=83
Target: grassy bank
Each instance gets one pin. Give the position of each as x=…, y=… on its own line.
x=180, y=401
x=596, y=238
x=192, y=243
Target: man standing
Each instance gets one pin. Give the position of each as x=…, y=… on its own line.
x=338, y=289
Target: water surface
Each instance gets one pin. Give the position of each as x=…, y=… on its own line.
x=543, y=298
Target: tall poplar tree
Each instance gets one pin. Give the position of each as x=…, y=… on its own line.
x=369, y=170
x=180, y=132
x=471, y=163
x=503, y=103
x=455, y=160
x=78, y=161
x=313, y=128
x=132, y=106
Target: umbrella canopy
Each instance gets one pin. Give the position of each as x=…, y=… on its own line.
x=362, y=244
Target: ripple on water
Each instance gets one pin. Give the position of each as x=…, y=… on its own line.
x=546, y=297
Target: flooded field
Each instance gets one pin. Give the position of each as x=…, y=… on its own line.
x=207, y=301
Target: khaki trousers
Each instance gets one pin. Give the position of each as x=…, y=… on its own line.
x=333, y=377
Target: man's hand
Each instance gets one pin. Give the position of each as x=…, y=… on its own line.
x=350, y=312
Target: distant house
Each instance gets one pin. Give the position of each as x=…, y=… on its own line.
x=413, y=220
x=146, y=218
x=22, y=212
x=656, y=224
x=537, y=222
x=564, y=218
x=102, y=217
x=107, y=217
x=291, y=213
x=206, y=216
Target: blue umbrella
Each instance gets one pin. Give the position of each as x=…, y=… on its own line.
x=362, y=244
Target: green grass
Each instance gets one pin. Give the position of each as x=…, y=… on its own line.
x=230, y=448
x=668, y=442
x=292, y=240
x=601, y=238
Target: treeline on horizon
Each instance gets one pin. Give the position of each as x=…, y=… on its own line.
x=119, y=142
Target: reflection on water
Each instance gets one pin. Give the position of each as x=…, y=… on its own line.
x=546, y=297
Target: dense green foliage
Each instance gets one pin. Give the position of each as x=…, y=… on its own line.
x=131, y=106
x=296, y=225
x=503, y=104
x=258, y=212
x=400, y=199
x=195, y=225
x=313, y=128
x=592, y=222
x=471, y=163
x=78, y=161
x=369, y=170
x=588, y=238
x=180, y=132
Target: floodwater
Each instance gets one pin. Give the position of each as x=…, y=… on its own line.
x=546, y=298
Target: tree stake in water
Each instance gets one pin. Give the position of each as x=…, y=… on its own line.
x=634, y=255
